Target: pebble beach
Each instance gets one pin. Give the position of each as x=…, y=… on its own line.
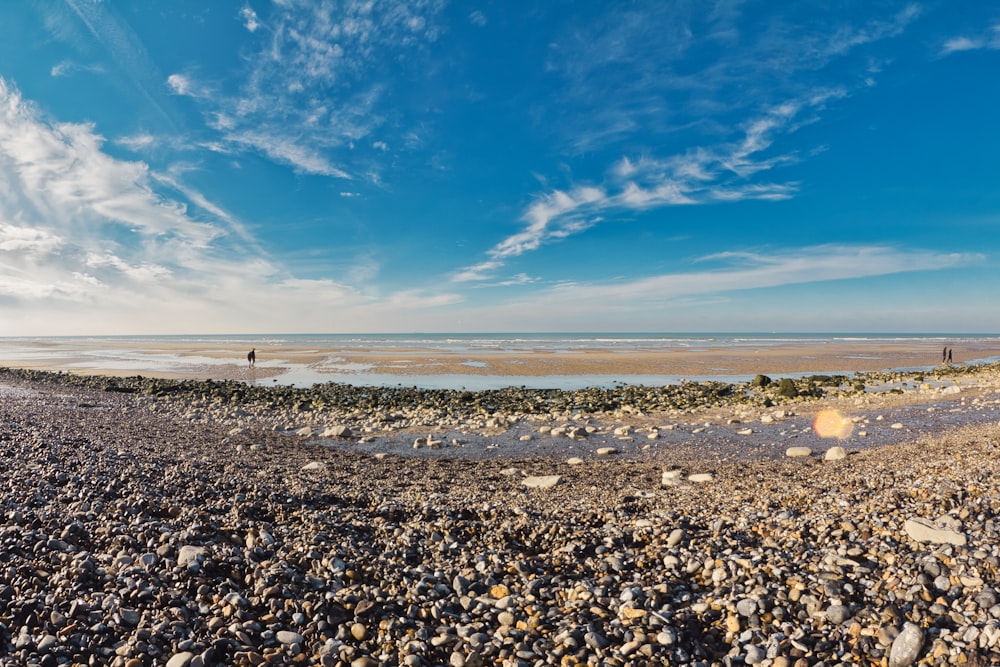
x=190, y=523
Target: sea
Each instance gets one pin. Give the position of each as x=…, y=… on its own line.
x=172, y=354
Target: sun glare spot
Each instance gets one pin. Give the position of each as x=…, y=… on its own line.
x=831, y=424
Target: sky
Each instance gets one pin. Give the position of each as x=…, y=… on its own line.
x=293, y=166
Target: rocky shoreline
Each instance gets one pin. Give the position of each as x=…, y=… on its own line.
x=151, y=522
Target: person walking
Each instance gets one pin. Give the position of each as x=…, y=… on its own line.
x=252, y=357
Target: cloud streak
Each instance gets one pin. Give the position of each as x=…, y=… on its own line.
x=744, y=271
x=311, y=91
x=700, y=176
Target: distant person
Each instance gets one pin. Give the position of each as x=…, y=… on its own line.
x=944, y=354
x=252, y=357
x=949, y=354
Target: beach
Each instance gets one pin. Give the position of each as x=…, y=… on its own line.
x=569, y=361
x=184, y=523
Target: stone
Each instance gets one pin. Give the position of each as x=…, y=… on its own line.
x=746, y=607
x=837, y=613
x=837, y=453
x=906, y=647
x=305, y=431
x=923, y=530
x=182, y=659
x=701, y=477
x=574, y=461
x=541, y=481
x=289, y=637
x=677, y=535
x=798, y=452
x=188, y=554
x=359, y=631
x=339, y=431
x=314, y=466
x=606, y=451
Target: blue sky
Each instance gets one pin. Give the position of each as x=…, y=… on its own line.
x=289, y=166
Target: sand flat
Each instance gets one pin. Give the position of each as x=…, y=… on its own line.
x=200, y=360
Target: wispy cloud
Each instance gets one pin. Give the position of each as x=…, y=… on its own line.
x=249, y=17
x=91, y=244
x=988, y=40
x=700, y=176
x=137, y=142
x=311, y=92
x=123, y=46
x=729, y=169
x=69, y=67
x=740, y=271
x=654, y=68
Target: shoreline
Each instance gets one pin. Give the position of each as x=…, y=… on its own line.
x=432, y=367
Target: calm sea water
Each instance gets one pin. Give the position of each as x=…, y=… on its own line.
x=507, y=342
x=133, y=354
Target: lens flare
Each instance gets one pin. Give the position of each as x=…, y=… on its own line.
x=831, y=424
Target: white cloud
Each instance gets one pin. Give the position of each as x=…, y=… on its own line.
x=314, y=82
x=137, y=142
x=249, y=16
x=703, y=175
x=182, y=84
x=28, y=240
x=739, y=271
x=288, y=151
x=68, y=68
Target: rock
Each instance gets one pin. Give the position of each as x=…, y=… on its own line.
x=746, y=607
x=574, y=461
x=289, y=637
x=314, y=466
x=754, y=655
x=798, y=452
x=541, y=481
x=677, y=535
x=837, y=613
x=701, y=477
x=923, y=530
x=906, y=647
x=305, y=431
x=837, y=453
x=182, y=659
x=188, y=554
x=897, y=426
x=745, y=431
x=606, y=451
x=339, y=431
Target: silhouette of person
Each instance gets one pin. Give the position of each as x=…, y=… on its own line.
x=944, y=354
x=949, y=354
x=252, y=357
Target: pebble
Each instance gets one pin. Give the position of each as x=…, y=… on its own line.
x=906, y=647
x=144, y=543
x=836, y=453
x=541, y=481
x=922, y=530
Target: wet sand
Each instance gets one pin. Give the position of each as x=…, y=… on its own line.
x=225, y=362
